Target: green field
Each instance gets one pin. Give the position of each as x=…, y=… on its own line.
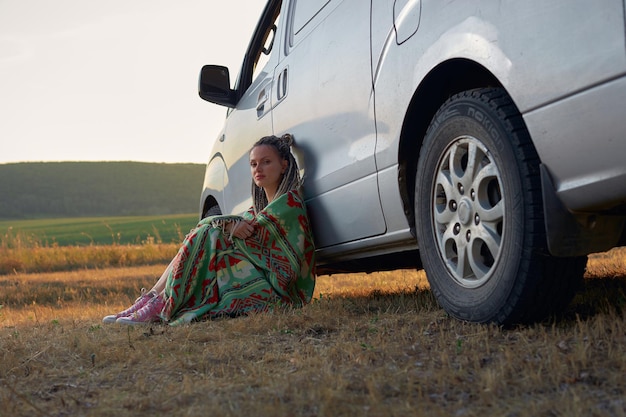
x=97, y=230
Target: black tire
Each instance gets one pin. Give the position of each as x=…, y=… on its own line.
x=479, y=215
x=212, y=211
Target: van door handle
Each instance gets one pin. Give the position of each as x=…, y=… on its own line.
x=260, y=104
x=281, y=89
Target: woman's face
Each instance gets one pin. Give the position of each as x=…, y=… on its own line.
x=267, y=167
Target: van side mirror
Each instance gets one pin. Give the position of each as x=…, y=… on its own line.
x=214, y=86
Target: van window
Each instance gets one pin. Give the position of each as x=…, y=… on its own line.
x=305, y=11
x=264, y=52
x=260, y=50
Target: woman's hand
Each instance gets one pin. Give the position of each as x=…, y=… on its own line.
x=243, y=229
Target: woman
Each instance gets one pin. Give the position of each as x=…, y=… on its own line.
x=232, y=265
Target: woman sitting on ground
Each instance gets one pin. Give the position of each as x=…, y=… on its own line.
x=232, y=265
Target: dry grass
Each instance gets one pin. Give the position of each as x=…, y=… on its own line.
x=369, y=345
x=69, y=258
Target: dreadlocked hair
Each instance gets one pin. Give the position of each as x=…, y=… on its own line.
x=291, y=177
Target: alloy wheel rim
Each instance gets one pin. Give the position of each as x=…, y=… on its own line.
x=468, y=211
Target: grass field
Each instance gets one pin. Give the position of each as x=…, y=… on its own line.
x=50, y=245
x=368, y=345
x=96, y=230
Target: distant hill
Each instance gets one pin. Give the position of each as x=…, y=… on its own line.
x=80, y=189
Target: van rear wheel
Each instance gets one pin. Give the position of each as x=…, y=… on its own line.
x=479, y=215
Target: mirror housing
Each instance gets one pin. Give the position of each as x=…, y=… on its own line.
x=214, y=86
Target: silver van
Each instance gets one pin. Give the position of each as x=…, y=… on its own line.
x=484, y=141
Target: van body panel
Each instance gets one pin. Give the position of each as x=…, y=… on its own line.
x=328, y=107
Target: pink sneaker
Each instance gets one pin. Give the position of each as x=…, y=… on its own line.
x=149, y=313
x=139, y=302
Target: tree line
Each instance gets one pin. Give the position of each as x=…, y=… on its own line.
x=86, y=189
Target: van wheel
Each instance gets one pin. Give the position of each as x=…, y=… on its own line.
x=479, y=215
x=212, y=211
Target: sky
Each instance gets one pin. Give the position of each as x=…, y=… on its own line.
x=115, y=80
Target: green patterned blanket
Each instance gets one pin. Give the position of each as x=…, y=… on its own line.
x=213, y=275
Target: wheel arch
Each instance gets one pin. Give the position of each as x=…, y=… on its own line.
x=213, y=186
x=209, y=207
x=442, y=82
